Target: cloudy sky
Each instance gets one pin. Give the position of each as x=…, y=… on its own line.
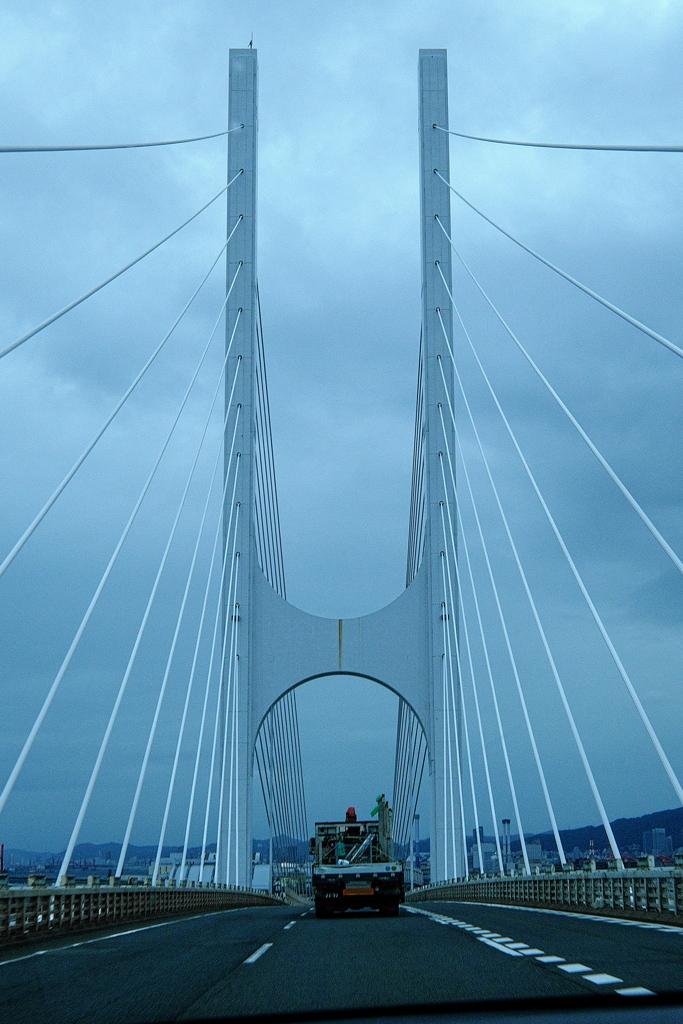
x=340, y=288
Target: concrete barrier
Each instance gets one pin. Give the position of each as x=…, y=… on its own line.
x=653, y=895
x=37, y=912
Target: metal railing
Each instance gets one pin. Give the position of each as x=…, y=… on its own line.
x=36, y=911
x=629, y=892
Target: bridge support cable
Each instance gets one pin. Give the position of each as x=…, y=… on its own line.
x=278, y=747
x=445, y=747
x=564, y=145
x=503, y=624
x=233, y=559
x=129, y=668
x=414, y=757
x=399, y=771
x=456, y=563
x=209, y=674
x=480, y=726
x=9, y=558
x=489, y=671
x=272, y=777
x=417, y=496
x=118, y=145
x=640, y=512
x=181, y=732
x=451, y=715
x=278, y=760
x=269, y=540
x=282, y=755
x=174, y=641
x=404, y=759
x=403, y=726
x=296, y=766
x=461, y=702
x=411, y=754
x=532, y=603
x=292, y=777
x=568, y=277
x=93, y=291
x=229, y=725
x=200, y=631
x=558, y=682
x=234, y=789
x=264, y=448
x=666, y=764
x=276, y=808
x=95, y=598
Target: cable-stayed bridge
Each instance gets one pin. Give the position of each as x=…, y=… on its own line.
x=249, y=648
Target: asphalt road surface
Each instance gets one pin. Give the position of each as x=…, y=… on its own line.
x=282, y=959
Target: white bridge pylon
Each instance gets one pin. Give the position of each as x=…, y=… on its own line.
x=403, y=646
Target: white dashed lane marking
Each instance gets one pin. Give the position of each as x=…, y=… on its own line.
x=504, y=944
x=259, y=952
x=603, y=979
x=502, y=949
x=288, y=926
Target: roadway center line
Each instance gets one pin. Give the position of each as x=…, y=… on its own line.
x=259, y=952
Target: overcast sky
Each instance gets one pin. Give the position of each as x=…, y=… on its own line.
x=340, y=288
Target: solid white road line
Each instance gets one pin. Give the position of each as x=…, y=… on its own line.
x=624, y=921
x=116, y=935
x=259, y=952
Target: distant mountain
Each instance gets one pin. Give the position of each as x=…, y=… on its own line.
x=627, y=832
x=107, y=853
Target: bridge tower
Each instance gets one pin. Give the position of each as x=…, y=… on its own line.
x=274, y=646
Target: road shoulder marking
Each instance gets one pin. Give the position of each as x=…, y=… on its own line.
x=504, y=944
x=117, y=935
x=624, y=921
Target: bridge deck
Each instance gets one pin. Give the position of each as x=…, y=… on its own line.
x=282, y=959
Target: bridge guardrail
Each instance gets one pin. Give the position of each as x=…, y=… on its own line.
x=625, y=893
x=35, y=912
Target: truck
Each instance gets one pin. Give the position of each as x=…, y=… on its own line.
x=354, y=865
